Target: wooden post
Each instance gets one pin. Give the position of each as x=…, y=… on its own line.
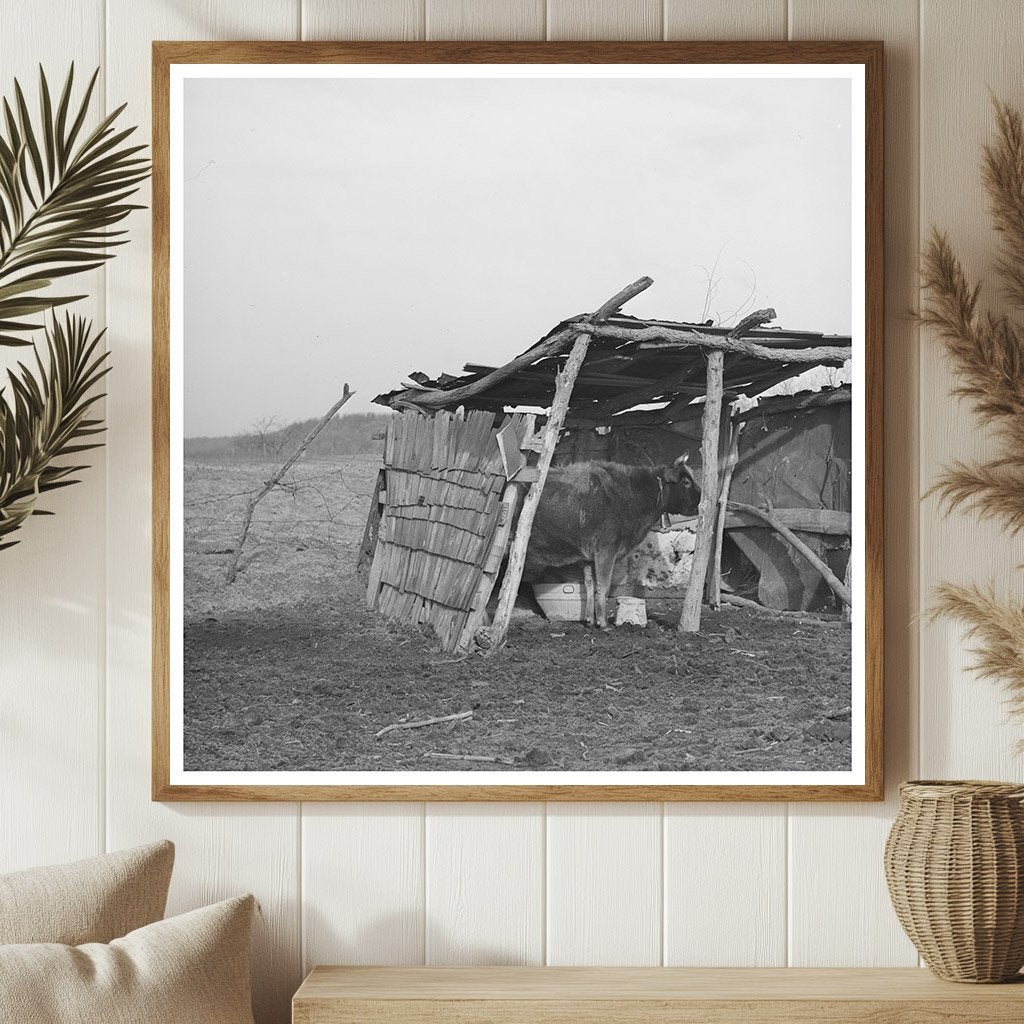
x=372, y=528
x=564, y=383
x=848, y=608
x=689, y=621
x=713, y=591
x=270, y=484
x=491, y=566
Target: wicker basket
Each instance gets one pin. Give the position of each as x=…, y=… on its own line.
x=954, y=861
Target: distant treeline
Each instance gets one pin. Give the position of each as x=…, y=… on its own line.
x=355, y=434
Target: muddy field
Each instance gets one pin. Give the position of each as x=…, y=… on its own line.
x=286, y=669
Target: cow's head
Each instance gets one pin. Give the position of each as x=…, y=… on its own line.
x=679, y=486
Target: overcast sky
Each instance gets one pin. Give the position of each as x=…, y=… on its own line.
x=356, y=230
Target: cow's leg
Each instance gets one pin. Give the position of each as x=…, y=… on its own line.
x=604, y=568
x=588, y=588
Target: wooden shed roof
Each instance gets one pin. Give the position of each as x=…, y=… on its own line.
x=620, y=374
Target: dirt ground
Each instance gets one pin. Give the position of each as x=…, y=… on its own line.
x=286, y=669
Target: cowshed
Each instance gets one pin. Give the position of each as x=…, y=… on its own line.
x=638, y=401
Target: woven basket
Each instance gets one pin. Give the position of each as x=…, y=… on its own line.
x=954, y=861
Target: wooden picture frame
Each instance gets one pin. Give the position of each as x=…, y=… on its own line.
x=867, y=745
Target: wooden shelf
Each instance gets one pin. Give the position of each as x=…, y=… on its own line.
x=638, y=995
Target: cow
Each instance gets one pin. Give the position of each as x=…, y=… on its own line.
x=594, y=513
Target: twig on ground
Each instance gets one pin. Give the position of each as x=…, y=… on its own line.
x=452, y=661
x=470, y=757
x=757, y=750
x=426, y=721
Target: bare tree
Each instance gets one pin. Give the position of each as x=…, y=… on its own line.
x=265, y=438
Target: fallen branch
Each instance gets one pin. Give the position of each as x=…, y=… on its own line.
x=270, y=484
x=459, y=717
x=838, y=587
x=470, y=757
x=744, y=602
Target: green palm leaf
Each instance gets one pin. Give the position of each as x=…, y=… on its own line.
x=45, y=418
x=62, y=191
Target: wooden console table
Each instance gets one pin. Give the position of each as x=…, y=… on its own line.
x=647, y=995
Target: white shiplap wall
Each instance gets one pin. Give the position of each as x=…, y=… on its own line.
x=508, y=883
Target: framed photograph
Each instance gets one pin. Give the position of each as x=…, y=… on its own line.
x=517, y=421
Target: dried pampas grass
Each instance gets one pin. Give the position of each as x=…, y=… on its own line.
x=997, y=629
x=992, y=490
x=987, y=354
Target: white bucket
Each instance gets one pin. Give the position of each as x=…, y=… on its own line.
x=561, y=602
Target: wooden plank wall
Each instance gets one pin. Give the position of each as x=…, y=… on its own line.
x=510, y=883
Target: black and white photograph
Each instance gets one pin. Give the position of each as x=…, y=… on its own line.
x=518, y=425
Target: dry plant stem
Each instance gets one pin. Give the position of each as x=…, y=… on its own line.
x=840, y=589
x=274, y=480
x=559, y=407
x=458, y=717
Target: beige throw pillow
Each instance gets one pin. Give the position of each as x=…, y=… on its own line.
x=190, y=969
x=92, y=900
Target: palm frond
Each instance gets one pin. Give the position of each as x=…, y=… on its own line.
x=62, y=193
x=45, y=418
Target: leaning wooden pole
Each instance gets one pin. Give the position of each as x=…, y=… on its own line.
x=274, y=480
x=713, y=589
x=839, y=588
x=564, y=383
x=689, y=621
